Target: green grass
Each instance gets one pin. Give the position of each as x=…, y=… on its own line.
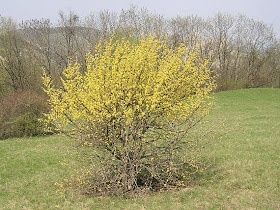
x=241, y=138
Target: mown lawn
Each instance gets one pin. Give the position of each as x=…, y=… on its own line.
x=240, y=138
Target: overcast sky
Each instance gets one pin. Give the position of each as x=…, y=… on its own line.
x=265, y=10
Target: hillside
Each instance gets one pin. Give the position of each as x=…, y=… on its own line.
x=240, y=138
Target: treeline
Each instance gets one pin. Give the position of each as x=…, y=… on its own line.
x=242, y=52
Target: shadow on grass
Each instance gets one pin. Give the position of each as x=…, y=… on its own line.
x=210, y=173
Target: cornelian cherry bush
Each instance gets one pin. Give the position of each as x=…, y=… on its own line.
x=133, y=107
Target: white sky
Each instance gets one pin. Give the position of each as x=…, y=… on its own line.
x=265, y=10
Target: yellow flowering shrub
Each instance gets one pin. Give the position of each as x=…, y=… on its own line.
x=129, y=104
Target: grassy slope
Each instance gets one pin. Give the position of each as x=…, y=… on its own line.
x=242, y=140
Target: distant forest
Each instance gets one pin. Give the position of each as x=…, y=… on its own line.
x=242, y=52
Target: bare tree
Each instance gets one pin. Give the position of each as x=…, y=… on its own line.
x=15, y=60
x=38, y=35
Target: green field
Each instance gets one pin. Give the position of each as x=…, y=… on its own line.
x=240, y=138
